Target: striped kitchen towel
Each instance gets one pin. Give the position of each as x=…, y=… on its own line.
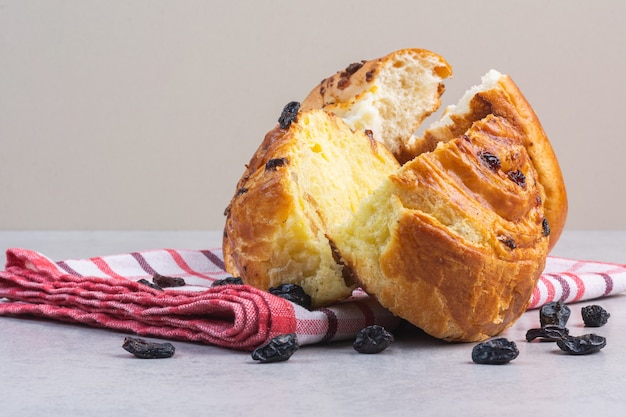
x=105, y=292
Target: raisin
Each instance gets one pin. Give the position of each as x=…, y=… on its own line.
x=242, y=190
x=150, y=284
x=272, y=164
x=166, y=282
x=227, y=281
x=582, y=345
x=545, y=227
x=518, y=178
x=293, y=293
x=554, y=313
x=372, y=339
x=289, y=114
x=344, y=76
x=491, y=160
x=495, y=352
x=148, y=350
x=507, y=241
x=347, y=273
x=594, y=316
x=549, y=333
x=278, y=349
x=352, y=68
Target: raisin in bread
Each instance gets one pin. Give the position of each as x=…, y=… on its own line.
x=390, y=96
x=306, y=178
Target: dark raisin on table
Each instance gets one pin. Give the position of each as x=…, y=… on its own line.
x=289, y=114
x=278, y=349
x=150, y=284
x=582, y=345
x=594, y=316
x=497, y=351
x=548, y=333
x=148, y=350
x=227, y=281
x=164, y=281
x=554, y=313
x=372, y=339
x=293, y=293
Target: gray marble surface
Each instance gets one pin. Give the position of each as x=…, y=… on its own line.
x=50, y=368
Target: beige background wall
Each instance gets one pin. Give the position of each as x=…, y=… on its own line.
x=141, y=114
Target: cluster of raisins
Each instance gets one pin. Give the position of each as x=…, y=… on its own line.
x=493, y=162
x=553, y=319
x=369, y=340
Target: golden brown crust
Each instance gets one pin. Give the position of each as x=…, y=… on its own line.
x=348, y=84
x=507, y=101
x=465, y=245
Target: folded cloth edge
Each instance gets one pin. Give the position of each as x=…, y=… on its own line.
x=36, y=285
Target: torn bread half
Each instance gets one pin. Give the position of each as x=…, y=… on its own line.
x=454, y=241
x=390, y=96
x=306, y=179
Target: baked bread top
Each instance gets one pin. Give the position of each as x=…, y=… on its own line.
x=455, y=241
x=390, y=96
x=498, y=94
x=306, y=178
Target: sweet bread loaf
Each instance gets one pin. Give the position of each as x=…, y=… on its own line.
x=391, y=96
x=306, y=178
x=453, y=242
x=449, y=231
